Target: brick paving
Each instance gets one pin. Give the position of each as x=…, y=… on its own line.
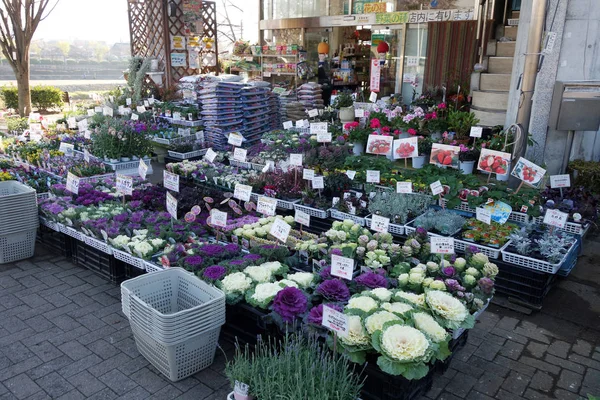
x=63, y=336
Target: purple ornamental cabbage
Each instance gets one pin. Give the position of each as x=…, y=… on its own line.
x=486, y=285
x=372, y=280
x=214, y=272
x=289, y=303
x=315, y=315
x=334, y=290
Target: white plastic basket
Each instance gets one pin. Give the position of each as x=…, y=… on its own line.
x=284, y=204
x=17, y=246
x=151, y=267
x=67, y=230
x=394, y=229
x=127, y=165
x=13, y=191
x=337, y=214
x=574, y=228
x=463, y=206
x=533, y=263
x=313, y=212
x=188, y=155
x=98, y=244
x=518, y=217
x=246, y=165
x=50, y=224
x=128, y=258
x=491, y=252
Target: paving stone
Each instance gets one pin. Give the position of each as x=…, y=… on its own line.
x=128, y=347
x=104, y=394
x=80, y=365
x=41, y=395
x=138, y=393
x=534, y=395
x=505, y=395
x=569, y=380
x=211, y=378
x=42, y=336
x=186, y=384
x=65, y=322
x=54, y=384
x=68, y=336
x=536, y=349
x=596, y=356
x=542, y=381
x=465, y=352
x=559, y=348
x=17, y=352
x=475, y=395
x=570, y=365
x=21, y=386
x=45, y=351
x=565, y=395
x=103, y=349
x=149, y=380
x=588, y=362
x=97, y=334
x=14, y=324
x=448, y=396
x=592, y=380
x=512, y=350
x=488, y=384
x=50, y=366
x=582, y=347
x=533, y=334
x=19, y=368
x=515, y=383
x=487, y=366
x=517, y=366
x=43, y=309
x=488, y=352
x=86, y=383
x=461, y=385
x=167, y=393
x=33, y=300
x=72, y=395
x=75, y=350
x=61, y=311
x=437, y=387
x=199, y=391
x=108, y=365
x=466, y=368
x=118, y=382
x=507, y=323
x=539, y=364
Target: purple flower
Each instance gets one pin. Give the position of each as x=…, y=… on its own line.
x=194, y=261
x=472, y=249
x=289, y=303
x=212, y=250
x=237, y=262
x=453, y=285
x=252, y=257
x=232, y=248
x=137, y=217
x=486, y=285
x=214, y=272
x=448, y=271
x=315, y=315
x=337, y=252
x=334, y=290
x=325, y=273
x=372, y=280
x=421, y=231
x=121, y=217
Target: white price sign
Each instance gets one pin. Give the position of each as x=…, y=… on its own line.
x=268, y=166
x=177, y=116
x=218, y=218
x=342, y=267
x=335, y=321
x=484, y=215
x=171, y=181
x=288, y=125
x=302, y=218
x=372, y=176
x=403, y=187
x=128, y=101
x=73, y=183
x=239, y=154
x=280, y=229
x=210, y=155
x=296, y=159
x=308, y=174
x=302, y=123
x=373, y=97
x=242, y=192
x=318, y=128
x=107, y=111
x=318, y=182
x=82, y=125
x=359, y=113
x=142, y=169
x=68, y=149
x=560, y=181
x=86, y=155
x=124, y=184
x=172, y=205
x=266, y=206
x=476, y=131
x=351, y=174
x=556, y=218
x=313, y=113
x=235, y=139
x=134, y=117
x=436, y=188
x=380, y=224
x=442, y=245
x=141, y=109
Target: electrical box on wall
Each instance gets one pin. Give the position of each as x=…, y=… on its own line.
x=575, y=106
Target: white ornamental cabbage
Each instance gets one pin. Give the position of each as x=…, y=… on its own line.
x=265, y=292
x=238, y=282
x=404, y=343
x=375, y=321
x=382, y=294
x=398, y=308
x=447, y=307
x=418, y=299
x=357, y=336
x=258, y=274
x=363, y=303
x=304, y=279
x=428, y=325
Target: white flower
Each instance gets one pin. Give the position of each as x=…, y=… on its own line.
x=399, y=308
x=432, y=267
x=356, y=332
x=382, y=294
x=362, y=303
x=236, y=282
x=479, y=259
x=415, y=279
x=157, y=242
x=120, y=241
x=287, y=282
x=430, y=327
x=144, y=248
x=258, y=274
x=375, y=321
x=272, y=266
x=418, y=299
x=446, y=306
x=404, y=343
x=304, y=279
x=264, y=291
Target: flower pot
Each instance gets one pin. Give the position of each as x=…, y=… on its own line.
x=135, y=158
x=125, y=159
x=234, y=396
x=436, y=136
x=404, y=135
x=347, y=114
x=418, y=162
x=358, y=149
x=154, y=65
x=113, y=160
x=504, y=178
x=466, y=167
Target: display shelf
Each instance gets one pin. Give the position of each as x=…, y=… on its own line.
x=394, y=229
x=534, y=263
x=183, y=122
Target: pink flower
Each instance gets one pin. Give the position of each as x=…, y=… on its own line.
x=351, y=125
x=412, y=132
x=375, y=123
x=396, y=132
x=385, y=129
x=463, y=148
x=483, y=145
x=442, y=106
x=445, y=135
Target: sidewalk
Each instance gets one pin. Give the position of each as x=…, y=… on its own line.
x=63, y=336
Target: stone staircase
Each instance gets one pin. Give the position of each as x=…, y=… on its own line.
x=490, y=101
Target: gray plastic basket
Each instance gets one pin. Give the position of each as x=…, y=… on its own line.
x=17, y=246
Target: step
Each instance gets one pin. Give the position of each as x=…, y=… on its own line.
x=489, y=117
x=494, y=82
x=500, y=65
x=511, y=32
x=491, y=48
x=489, y=99
x=515, y=14
x=505, y=49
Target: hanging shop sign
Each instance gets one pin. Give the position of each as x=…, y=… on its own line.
x=177, y=42
x=424, y=16
x=192, y=16
x=178, y=60
x=375, y=75
x=369, y=8
x=376, y=38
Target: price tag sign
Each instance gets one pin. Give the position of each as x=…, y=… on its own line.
x=267, y=74
x=268, y=166
x=359, y=113
x=68, y=149
x=90, y=112
x=560, y=181
x=342, y=267
x=556, y=218
x=98, y=110
x=172, y=205
x=171, y=181
x=380, y=224
x=107, y=111
x=82, y=125
x=86, y=155
x=442, y=245
x=242, y=192
x=142, y=169
x=302, y=123
x=134, y=117
x=335, y=321
x=239, y=154
x=296, y=160
x=210, y=155
x=313, y=113
x=302, y=218
x=436, y=188
x=141, y=109
x=318, y=128
x=73, y=183
x=308, y=174
x=476, y=131
x=128, y=101
x=404, y=187
x=72, y=123
x=218, y=218
x=351, y=174
x=266, y=206
x=124, y=184
x=280, y=229
x=288, y=125
x=176, y=116
x=484, y=215
x=373, y=97
x=235, y=139
x=372, y=176
x=318, y=182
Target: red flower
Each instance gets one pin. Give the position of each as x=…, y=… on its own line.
x=386, y=129
x=351, y=125
x=375, y=123
x=442, y=106
x=412, y=132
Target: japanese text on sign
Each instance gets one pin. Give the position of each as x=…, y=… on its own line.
x=308, y=174
x=404, y=187
x=476, y=131
x=318, y=128
x=335, y=320
x=302, y=218
x=210, y=155
x=242, y=192
x=436, y=188
x=288, y=125
x=218, y=218
x=560, y=181
x=442, y=245
x=266, y=206
x=280, y=229
x=318, y=182
x=313, y=113
x=295, y=159
x=235, y=139
x=484, y=215
x=556, y=218
x=124, y=184
x=172, y=205
x=171, y=181
x=239, y=154
x=73, y=183
x=342, y=267
x=142, y=169
x=380, y=224
x=372, y=176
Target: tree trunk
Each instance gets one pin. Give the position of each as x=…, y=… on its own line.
x=24, y=89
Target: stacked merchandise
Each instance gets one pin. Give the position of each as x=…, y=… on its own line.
x=257, y=114
x=293, y=111
x=310, y=95
x=274, y=112
x=222, y=112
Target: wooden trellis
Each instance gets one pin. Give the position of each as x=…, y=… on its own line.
x=151, y=28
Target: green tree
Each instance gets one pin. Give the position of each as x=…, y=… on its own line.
x=64, y=48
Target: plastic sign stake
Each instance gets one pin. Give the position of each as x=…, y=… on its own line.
x=242, y=192
x=171, y=181
x=436, y=188
x=142, y=169
x=373, y=176
x=476, y=131
x=302, y=218
x=442, y=245
x=239, y=154
x=172, y=205
x=556, y=218
x=72, y=183
x=380, y=224
x=403, y=187
x=342, y=267
x=124, y=184
x=318, y=182
x=266, y=206
x=218, y=218
x=484, y=215
x=335, y=321
x=280, y=229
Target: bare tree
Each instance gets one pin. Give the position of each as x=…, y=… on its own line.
x=18, y=21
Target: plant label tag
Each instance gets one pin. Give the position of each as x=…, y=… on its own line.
x=556, y=218
x=524, y=209
x=318, y=127
x=241, y=389
x=342, y=267
x=484, y=215
x=351, y=174
x=68, y=149
x=403, y=187
x=335, y=321
x=239, y=154
x=318, y=182
x=121, y=110
x=98, y=110
x=176, y=116
x=86, y=155
x=334, y=201
x=242, y=192
x=141, y=109
x=308, y=174
x=442, y=245
x=560, y=181
x=124, y=184
x=200, y=136
x=476, y=131
x=380, y=224
x=172, y=205
x=373, y=97
x=267, y=74
x=210, y=155
x=296, y=159
x=171, y=181
x=82, y=125
x=280, y=229
x=302, y=218
x=142, y=169
x=134, y=117
x=108, y=111
x=218, y=218
x=268, y=166
x=90, y=112
x=266, y=206
x=288, y=125
x=347, y=195
x=436, y=188
x=313, y=113
x=72, y=123
x=128, y=101
x=146, y=103
x=73, y=183
x=372, y=176
x=235, y=139
x=359, y=113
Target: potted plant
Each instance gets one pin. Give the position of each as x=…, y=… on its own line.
x=460, y=122
x=345, y=104
x=424, y=145
x=357, y=136
x=467, y=158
